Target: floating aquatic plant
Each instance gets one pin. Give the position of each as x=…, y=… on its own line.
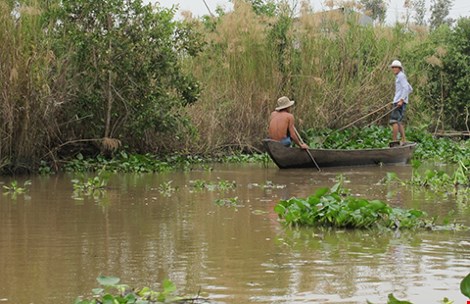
x=334, y=208
x=110, y=291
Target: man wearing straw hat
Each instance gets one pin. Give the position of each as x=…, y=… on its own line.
x=281, y=124
x=400, y=101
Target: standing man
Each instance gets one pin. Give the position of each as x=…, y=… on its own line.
x=281, y=124
x=400, y=101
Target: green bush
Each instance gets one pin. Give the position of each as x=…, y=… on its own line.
x=124, y=75
x=449, y=77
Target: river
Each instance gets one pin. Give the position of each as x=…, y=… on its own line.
x=53, y=246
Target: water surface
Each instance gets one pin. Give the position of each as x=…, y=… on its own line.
x=52, y=246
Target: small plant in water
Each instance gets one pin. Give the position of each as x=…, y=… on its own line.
x=14, y=189
x=221, y=185
x=464, y=289
x=114, y=293
x=90, y=186
x=435, y=180
x=267, y=185
x=166, y=189
x=228, y=202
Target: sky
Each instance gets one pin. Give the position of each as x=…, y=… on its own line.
x=395, y=12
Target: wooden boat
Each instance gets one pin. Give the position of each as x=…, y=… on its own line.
x=289, y=157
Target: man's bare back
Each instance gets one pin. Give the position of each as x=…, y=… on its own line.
x=279, y=125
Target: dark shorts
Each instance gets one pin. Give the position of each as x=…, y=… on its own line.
x=397, y=114
x=286, y=141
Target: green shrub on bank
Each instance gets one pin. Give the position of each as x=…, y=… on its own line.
x=124, y=74
x=449, y=75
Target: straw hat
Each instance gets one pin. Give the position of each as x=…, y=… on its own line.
x=284, y=103
x=396, y=64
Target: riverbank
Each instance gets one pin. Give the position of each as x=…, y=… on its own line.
x=429, y=149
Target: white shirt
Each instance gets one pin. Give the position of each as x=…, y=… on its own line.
x=402, y=88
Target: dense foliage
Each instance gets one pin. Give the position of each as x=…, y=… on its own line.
x=429, y=147
x=124, y=72
x=449, y=78
x=148, y=163
x=334, y=208
x=92, y=76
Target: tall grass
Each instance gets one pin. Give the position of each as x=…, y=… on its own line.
x=334, y=68
x=28, y=103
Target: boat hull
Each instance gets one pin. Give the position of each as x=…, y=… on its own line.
x=290, y=157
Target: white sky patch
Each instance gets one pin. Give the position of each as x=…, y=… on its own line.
x=396, y=11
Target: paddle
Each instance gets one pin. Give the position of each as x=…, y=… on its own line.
x=308, y=151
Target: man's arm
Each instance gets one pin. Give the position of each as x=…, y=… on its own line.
x=293, y=134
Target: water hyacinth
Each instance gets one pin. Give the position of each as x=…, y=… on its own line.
x=334, y=208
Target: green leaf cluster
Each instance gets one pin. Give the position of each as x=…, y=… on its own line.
x=14, y=189
x=428, y=148
x=436, y=180
x=221, y=185
x=111, y=292
x=352, y=138
x=334, y=208
x=94, y=186
x=149, y=163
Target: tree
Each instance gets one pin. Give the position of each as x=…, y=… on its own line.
x=440, y=12
x=419, y=6
x=450, y=79
x=376, y=9
x=124, y=67
x=457, y=68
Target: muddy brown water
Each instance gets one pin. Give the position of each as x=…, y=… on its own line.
x=52, y=247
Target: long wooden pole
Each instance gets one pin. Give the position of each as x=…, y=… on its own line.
x=382, y=116
x=348, y=125
x=308, y=151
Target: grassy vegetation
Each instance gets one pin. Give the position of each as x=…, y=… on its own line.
x=334, y=68
x=213, y=91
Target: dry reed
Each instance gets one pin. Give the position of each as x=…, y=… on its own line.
x=335, y=69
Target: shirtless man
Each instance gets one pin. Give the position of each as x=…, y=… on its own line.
x=281, y=124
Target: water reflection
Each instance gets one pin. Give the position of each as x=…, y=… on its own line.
x=53, y=246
